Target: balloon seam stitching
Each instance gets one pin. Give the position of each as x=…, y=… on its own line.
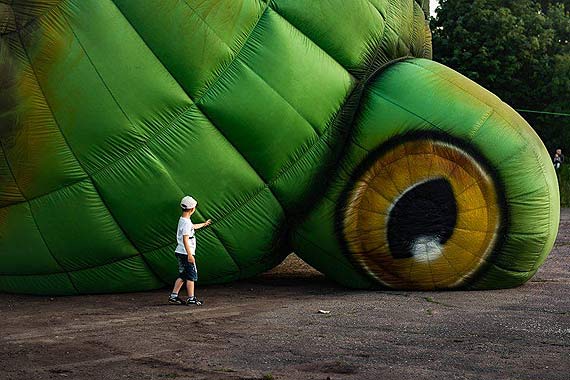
x=492, y=261
x=336, y=118
x=418, y=27
x=79, y=163
x=523, y=147
x=63, y=271
x=369, y=70
x=205, y=115
x=388, y=24
x=20, y=28
x=354, y=135
x=244, y=158
x=195, y=102
x=471, y=95
x=146, y=144
x=237, y=52
x=85, y=269
x=384, y=17
x=151, y=270
x=36, y=224
x=506, y=270
x=201, y=19
x=219, y=220
x=29, y=204
x=13, y=177
x=313, y=127
x=343, y=116
x=92, y=174
x=98, y=73
x=218, y=237
x=480, y=124
x=50, y=251
x=425, y=7
x=302, y=154
x=296, y=29
x=237, y=57
x=150, y=139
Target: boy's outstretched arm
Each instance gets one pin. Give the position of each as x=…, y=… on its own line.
x=197, y=226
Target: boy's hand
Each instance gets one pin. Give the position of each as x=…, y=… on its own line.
x=191, y=259
x=202, y=225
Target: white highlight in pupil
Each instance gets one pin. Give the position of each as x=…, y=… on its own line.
x=426, y=249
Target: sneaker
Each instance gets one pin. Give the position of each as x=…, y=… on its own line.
x=193, y=301
x=175, y=300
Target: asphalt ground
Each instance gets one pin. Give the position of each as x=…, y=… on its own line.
x=270, y=328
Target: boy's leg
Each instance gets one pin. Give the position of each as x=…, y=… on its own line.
x=173, y=297
x=182, y=275
x=193, y=277
x=177, y=285
x=190, y=288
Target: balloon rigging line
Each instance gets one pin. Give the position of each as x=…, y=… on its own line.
x=545, y=112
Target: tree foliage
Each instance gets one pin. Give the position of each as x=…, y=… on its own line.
x=519, y=49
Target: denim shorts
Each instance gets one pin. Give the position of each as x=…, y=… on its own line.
x=186, y=270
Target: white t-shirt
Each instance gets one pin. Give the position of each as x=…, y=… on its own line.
x=185, y=227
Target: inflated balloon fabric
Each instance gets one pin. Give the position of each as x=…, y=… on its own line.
x=318, y=127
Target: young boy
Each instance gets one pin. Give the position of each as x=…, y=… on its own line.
x=185, y=253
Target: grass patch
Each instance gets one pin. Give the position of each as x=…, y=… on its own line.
x=227, y=370
x=431, y=300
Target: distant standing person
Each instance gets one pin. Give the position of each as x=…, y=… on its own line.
x=185, y=253
x=558, y=159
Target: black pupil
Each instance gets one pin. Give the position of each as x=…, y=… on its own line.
x=428, y=210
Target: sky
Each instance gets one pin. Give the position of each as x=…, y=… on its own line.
x=433, y=5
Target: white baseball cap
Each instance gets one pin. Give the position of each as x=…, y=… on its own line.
x=188, y=202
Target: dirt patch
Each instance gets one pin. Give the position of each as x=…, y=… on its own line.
x=270, y=328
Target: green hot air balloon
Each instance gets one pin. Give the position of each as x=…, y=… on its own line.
x=319, y=127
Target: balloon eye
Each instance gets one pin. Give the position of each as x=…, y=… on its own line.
x=424, y=213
